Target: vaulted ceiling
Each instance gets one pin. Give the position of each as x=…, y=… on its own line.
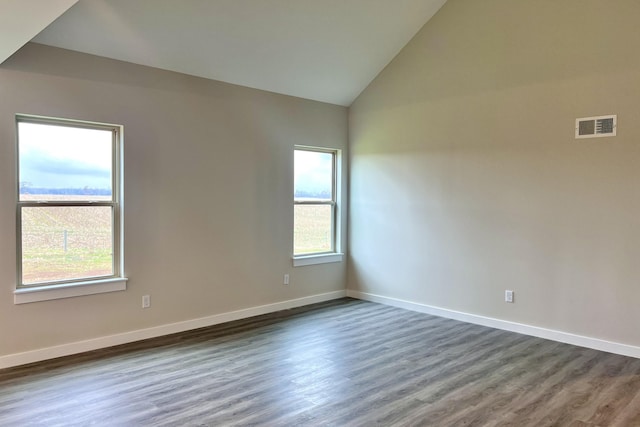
x=325, y=50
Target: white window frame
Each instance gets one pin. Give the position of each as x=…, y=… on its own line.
x=26, y=293
x=333, y=255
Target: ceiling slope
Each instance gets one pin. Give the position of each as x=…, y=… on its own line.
x=21, y=20
x=325, y=50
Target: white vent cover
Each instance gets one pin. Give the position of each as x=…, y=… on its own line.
x=595, y=127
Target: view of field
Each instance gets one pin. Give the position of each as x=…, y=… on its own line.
x=312, y=229
x=63, y=243
x=60, y=161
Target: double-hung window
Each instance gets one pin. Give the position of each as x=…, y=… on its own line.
x=69, y=207
x=315, y=204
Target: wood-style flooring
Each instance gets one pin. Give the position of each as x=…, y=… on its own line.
x=340, y=363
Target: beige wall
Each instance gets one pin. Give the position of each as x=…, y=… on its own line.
x=466, y=179
x=208, y=193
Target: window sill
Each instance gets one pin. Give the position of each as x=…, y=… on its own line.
x=68, y=290
x=301, y=261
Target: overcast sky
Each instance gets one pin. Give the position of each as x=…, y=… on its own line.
x=64, y=157
x=313, y=172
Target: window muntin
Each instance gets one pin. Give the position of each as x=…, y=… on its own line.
x=68, y=210
x=314, y=201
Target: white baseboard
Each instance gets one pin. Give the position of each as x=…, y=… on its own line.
x=157, y=331
x=564, y=337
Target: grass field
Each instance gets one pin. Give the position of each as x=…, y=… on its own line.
x=312, y=229
x=64, y=243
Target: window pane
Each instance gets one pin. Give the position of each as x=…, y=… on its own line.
x=59, y=161
x=64, y=243
x=313, y=175
x=312, y=229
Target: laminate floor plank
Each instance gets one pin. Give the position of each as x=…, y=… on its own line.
x=339, y=363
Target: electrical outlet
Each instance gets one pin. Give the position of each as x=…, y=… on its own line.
x=508, y=296
x=286, y=279
x=146, y=301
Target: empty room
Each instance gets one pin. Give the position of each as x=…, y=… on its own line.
x=319, y=213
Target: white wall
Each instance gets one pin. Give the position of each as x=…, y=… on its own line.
x=208, y=193
x=466, y=179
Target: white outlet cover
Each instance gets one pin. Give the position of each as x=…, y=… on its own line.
x=508, y=296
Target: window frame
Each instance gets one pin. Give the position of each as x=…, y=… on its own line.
x=62, y=288
x=333, y=255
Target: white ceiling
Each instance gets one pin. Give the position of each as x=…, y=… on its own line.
x=20, y=20
x=325, y=50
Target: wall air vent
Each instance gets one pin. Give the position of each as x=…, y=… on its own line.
x=595, y=127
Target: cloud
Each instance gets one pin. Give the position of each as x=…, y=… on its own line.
x=41, y=170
